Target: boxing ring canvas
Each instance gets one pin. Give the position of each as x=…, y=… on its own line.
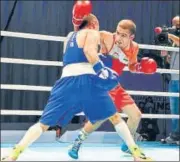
x=102, y=146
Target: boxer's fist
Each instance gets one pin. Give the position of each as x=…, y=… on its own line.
x=108, y=78
x=80, y=9
x=147, y=66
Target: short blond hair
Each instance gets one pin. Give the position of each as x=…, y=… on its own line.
x=128, y=24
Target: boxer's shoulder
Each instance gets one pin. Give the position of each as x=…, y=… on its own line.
x=105, y=34
x=87, y=34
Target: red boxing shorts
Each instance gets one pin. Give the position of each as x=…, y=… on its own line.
x=120, y=98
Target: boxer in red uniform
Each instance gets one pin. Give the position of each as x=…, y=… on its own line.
x=119, y=50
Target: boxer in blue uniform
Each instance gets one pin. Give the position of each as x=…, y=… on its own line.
x=75, y=91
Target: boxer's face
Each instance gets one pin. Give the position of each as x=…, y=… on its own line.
x=123, y=37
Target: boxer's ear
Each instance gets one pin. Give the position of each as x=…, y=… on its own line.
x=132, y=36
x=92, y=26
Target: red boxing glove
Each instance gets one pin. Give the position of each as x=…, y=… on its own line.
x=147, y=66
x=80, y=9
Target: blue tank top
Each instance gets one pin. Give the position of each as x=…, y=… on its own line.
x=73, y=54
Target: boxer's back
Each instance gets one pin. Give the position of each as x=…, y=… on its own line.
x=74, y=54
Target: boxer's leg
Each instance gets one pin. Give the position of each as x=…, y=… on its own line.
x=134, y=117
x=125, y=103
x=32, y=134
x=122, y=129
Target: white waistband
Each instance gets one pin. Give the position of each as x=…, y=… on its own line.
x=77, y=69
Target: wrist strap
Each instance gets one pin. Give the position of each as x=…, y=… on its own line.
x=138, y=67
x=98, y=66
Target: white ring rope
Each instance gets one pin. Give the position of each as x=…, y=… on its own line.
x=46, y=88
x=57, y=63
x=62, y=39
x=38, y=113
x=33, y=36
x=31, y=62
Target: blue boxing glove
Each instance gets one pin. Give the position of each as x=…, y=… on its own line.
x=108, y=79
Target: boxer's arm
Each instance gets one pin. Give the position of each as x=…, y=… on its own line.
x=146, y=65
x=91, y=46
x=110, y=77
x=133, y=59
x=91, y=51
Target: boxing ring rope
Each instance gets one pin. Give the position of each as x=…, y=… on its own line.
x=38, y=113
x=62, y=39
x=56, y=63
x=46, y=88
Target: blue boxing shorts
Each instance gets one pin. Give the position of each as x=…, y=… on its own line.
x=75, y=94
